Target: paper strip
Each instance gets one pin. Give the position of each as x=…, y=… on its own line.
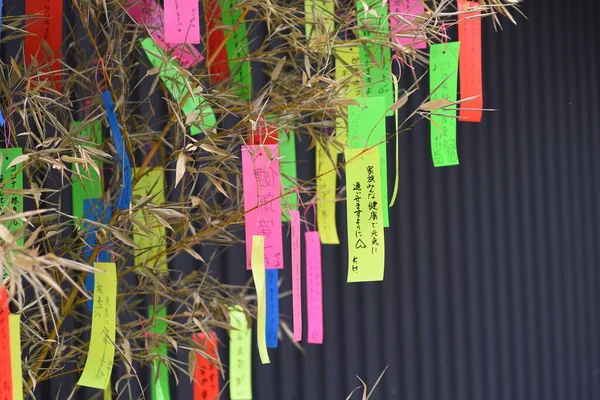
x=237, y=47
x=347, y=70
x=402, y=14
x=272, y=308
x=206, y=374
x=101, y=353
x=11, y=180
x=14, y=321
x=366, y=243
x=375, y=57
x=160, y=373
x=170, y=74
x=296, y=274
x=150, y=15
x=261, y=180
x=86, y=183
x=469, y=36
x=314, y=288
x=240, y=355
x=216, y=49
x=152, y=252
x=443, y=80
x=287, y=168
x=366, y=129
x=124, y=199
x=320, y=25
x=326, y=194
x=47, y=29
x=6, y=377
x=258, y=273
x=182, y=21
x=265, y=134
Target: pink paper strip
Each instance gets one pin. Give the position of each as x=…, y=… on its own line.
x=150, y=14
x=314, y=287
x=400, y=12
x=182, y=21
x=261, y=180
x=296, y=274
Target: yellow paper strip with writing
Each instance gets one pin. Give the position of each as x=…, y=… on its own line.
x=347, y=71
x=326, y=191
x=152, y=243
x=14, y=323
x=101, y=354
x=319, y=21
x=240, y=355
x=258, y=273
x=366, y=243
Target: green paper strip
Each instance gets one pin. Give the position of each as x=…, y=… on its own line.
x=375, y=57
x=287, y=168
x=160, y=389
x=170, y=74
x=443, y=84
x=237, y=47
x=240, y=355
x=88, y=184
x=11, y=180
x=366, y=129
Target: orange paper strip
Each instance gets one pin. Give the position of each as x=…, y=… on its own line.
x=469, y=36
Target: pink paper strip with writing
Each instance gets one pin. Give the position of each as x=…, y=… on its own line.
x=400, y=12
x=296, y=274
x=150, y=14
x=182, y=21
x=314, y=287
x=262, y=205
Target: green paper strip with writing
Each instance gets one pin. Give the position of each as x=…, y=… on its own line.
x=240, y=355
x=326, y=192
x=443, y=84
x=14, y=323
x=152, y=241
x=375, y=56
x=237, y=47
x=288, y=171
x=319, y=16
x=160, y=372
x=101, y=353
x=86, y=182
x=366, y=129
x=170, y=74
x=366, y=242
x=11, y=182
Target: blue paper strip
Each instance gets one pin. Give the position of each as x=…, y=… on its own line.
x=271, y=276
x=124, y=164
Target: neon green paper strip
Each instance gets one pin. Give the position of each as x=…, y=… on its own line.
x=319, y=16
x=88, y=184
x=159, y=387
x=11, y=180
x=152, y=251
x=101, y=355
x=14, y=322
x=375, y=57
x=366, y=129
x=240, y=356
x=287, y=168
x=258, y=274
x=108, y=392
x=366, y=243
x=326, y=192
x=237, y=47
x=443, y=75
x=169, y=72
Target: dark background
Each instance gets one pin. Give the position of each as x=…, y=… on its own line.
x=492, y=266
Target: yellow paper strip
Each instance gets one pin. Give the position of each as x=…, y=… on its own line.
x=240, y=355
x=152, y=251
x=258, y=273
x=326, y=191
x=319, y=21
x=14, y=322
x=101, y=355
x=347, y=70
x=366, y=243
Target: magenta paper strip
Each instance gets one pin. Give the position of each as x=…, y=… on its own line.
x=314, y=287
x=262, y=204
x=400, y=12
x=150, y=14
x=182, y=21
x=296, y=274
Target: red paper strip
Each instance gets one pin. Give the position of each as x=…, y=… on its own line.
x=206, y=374
x=216, y=51
x=5, y=368
x=265, y=134
x=47, y=26
x=469, y=36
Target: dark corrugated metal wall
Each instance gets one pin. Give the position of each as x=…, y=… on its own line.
x=492, y=266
